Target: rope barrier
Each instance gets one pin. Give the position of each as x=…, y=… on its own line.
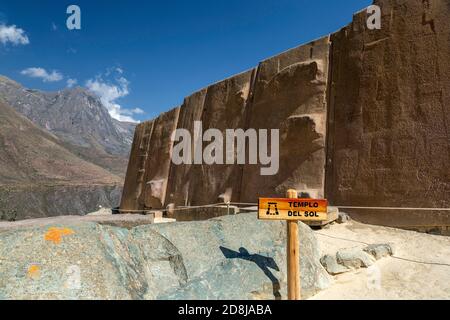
x=393, y=208
x=174, y=209
x=363, y=208
x=256, y=204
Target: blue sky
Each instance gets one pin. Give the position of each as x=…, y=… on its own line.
x=144, y=57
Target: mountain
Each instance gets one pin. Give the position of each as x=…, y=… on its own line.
x=78, y=118
x=40, y=177
x=61, y=152
x=31, y=155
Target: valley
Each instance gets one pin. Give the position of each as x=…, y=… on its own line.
x=61, y=153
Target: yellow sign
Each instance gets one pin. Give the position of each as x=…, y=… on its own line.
x=293, y=209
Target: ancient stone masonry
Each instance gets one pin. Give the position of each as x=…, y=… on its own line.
x=221, y=106
x=148, y=170
x=364, y=119
x=388, y=139
x=134, y=179
x=290, y=94
x=287, y=92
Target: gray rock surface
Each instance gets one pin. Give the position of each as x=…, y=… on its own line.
x=236, y=257
x=101, y=212
x=330, y=263
x=343, y=218
x=127, y=221
x=380, y=251
x=354, y=258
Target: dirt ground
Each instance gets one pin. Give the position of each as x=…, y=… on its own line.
x=419, y=269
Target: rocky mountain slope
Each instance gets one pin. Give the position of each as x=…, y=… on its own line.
x=78, y=118
x=35, y=167
x=32, y=155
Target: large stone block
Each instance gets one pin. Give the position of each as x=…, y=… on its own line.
x=181, y=176
x=148, y=169
x=221, y=106
x=225, y=108
x=159, y=160
x=134, y=179
x=389, y=143
x=290, y=95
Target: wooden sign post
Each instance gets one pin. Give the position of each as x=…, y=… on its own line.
x=293, y=255
x=293, y=210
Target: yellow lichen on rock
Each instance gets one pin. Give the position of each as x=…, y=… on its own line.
x=55, y=234
x=34, y=272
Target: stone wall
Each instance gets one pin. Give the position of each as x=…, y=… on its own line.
x=363, y=117
x=286, y=92
x=289, y=94
x=221, y=106
x=389, y=136
x=150, y=160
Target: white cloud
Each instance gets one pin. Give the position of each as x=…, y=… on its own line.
x=130, y=112
x=41, y=73
x=54, y=26
x=13, y=35
x=138, y=111
x=110, y=92
x=71, y=82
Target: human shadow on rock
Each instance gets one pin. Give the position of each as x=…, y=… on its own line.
x=264, y=263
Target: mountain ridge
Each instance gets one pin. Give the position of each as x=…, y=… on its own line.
x=62, y=152
x=31, y=155
x=78, y=118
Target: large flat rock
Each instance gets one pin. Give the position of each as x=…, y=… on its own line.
x=196, y=260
